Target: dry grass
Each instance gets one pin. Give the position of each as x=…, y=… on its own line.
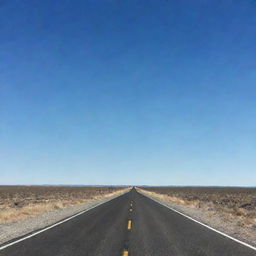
x=229, y=202
x=19, y=202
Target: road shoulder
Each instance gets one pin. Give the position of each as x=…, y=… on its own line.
x=216, y=222
x=15, y=230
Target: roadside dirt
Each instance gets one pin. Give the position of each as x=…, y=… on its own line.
x=230, y=210
x=21, y=202
x=49, y=213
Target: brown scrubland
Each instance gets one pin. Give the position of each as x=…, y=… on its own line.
x=235, y=201
x=231, y=210
x=19, y=202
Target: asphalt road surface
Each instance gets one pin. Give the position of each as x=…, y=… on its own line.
x=133, y=225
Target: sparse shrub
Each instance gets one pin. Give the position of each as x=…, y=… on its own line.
x=230, y=200
x=19, y=202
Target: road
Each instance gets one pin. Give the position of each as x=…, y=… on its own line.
x=133, y=225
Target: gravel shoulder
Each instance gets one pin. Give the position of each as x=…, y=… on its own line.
x=11, y=231
x=230, y=225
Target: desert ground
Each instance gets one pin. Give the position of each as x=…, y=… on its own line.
x=228, y=209
x=19, y=202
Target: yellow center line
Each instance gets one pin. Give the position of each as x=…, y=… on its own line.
x=125, y=253
x=129, y=226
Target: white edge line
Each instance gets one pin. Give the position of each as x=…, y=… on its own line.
x=230, y=237
x=58, y=223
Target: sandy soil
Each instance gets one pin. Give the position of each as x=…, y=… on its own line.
x=21, y=202
x=21, y=227
x=233, y=225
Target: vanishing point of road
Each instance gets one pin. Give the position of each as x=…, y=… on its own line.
x=129, y=225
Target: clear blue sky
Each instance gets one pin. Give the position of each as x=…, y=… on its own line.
x=128, y=92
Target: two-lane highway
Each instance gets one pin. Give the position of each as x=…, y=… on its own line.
x=133, y=225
